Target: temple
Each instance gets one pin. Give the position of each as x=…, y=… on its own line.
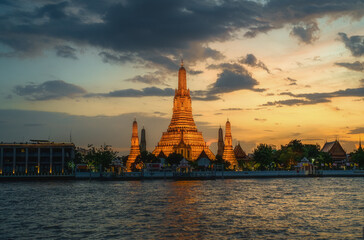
x=220, y=143
x=335, y=150
x=182, y=135
x=134, y=149
x=143, y=142
x=229, y=154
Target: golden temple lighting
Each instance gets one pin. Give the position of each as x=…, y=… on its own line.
x=134, y=149
x=182, y=135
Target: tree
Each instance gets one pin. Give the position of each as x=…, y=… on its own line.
x=358, y=157
x=290, y=154
x=263, y=155
x=102, y=156
x=311, y=151
x=148, y=157
x=324, y=160
x=174, y=158
x=219, y=160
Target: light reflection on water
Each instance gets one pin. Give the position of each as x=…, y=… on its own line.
x=301, y=208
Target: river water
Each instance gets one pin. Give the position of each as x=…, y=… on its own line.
x=296, y=208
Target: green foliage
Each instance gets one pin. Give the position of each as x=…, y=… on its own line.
x=323, y=160
x=311, y=151
x=79, y=158
x=100, y=156
x=264, y=156
x=221, y=161
x=174, y=158
x=148, y=157
x=358, y=157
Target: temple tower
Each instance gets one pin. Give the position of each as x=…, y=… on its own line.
x=143, y=143
x=220, y=143
x=228, y=154
x=182, y=135
x=134, y=149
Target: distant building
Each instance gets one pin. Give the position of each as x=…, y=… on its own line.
x=335, y=150
x=220, y=143
x=239, y=153
x=36, y=157
x=143, y=143
x=228, y=154
x=134, y=149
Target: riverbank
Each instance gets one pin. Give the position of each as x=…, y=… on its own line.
x=203, y=175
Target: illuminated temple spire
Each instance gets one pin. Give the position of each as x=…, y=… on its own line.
x=192, y=143
x=229, y=155
x=134, y=149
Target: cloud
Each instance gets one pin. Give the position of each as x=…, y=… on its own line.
x=49, y=90
x=358, y=130
x=233, y=77
x=115, y=58
x=291, y=81
x=231, y=109
x=229, y=81
x=145, y=92
x=306, y=32
x=34, y=124
x=252, y=61
x=356, y=66
x=315, y=98
x=195, y=72
x=152, y=78
x=355, y=44
x=260, y=119
x=66, y=52
x=146, y=28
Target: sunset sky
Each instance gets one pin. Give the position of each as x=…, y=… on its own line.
x=279, y=70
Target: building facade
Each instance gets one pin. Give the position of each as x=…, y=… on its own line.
x=37, y=157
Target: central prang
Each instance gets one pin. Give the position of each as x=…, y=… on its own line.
x=182, y=136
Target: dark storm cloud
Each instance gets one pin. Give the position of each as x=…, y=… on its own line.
x=229, y=81
x=66, y=52
x=356, y=66
x=315, y=98
x=306, y=32
x=233, y=77
x=115, y=58
x=354, y=43
x=145, y=92
x=160, y=27
x=50, y=90
x=252, y=61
